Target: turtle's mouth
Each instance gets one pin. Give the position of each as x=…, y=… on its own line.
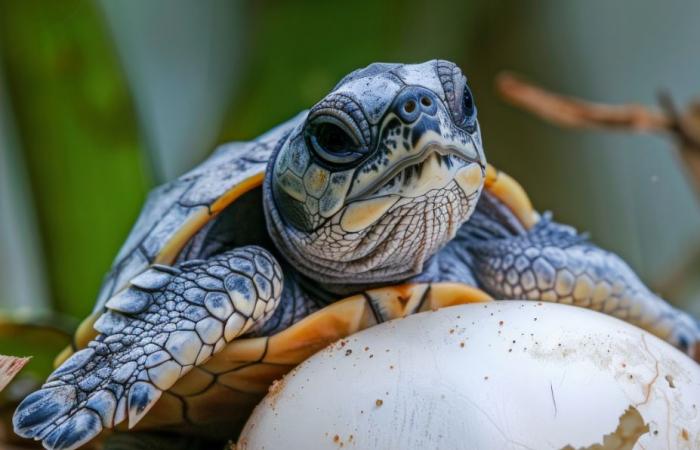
x=433, y=168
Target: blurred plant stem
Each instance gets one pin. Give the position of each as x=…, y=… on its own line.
x=183, y=61
x=79, y=140
x=22, y=271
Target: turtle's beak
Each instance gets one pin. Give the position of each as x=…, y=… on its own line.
x=436, y=164
x=432, y=163
x=419, y=149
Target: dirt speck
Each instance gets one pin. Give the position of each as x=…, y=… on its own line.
x=348, y=352
x=500, y=323
x=274, y=391
x=379, y=402
x=684, y=434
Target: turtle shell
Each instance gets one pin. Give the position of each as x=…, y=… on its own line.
x=176, y=211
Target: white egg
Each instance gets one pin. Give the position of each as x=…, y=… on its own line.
x=502, y=375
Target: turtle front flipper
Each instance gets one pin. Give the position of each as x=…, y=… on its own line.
x=167, y=321
x=552, y=262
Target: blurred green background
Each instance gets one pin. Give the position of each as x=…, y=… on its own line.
x=100, y=100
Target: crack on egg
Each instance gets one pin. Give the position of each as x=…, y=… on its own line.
x=629, y=429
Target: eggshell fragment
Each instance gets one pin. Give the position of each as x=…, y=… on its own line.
x=503, y=375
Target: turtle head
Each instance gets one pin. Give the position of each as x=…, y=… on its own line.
x=380, y=174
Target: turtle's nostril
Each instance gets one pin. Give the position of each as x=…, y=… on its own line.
x=413, y=101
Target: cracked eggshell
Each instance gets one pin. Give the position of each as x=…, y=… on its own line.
x=503, y=375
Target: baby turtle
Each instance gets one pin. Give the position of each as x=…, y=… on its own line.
x=375, y=203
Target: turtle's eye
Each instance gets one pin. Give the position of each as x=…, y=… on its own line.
x=468, y=108
x=333, y=140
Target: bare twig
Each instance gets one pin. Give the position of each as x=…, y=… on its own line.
x=9, y=368
x=571, y=112
x=685, y=126
x=574, y=113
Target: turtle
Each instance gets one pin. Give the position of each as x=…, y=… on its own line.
x=375, y=203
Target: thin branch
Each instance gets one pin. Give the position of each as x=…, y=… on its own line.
x=575, y=113
x=682, y=126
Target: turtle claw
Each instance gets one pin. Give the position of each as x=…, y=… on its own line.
x=41, y=409
x=142, y=397
x=50, y=415
x=80, y=428
x=104, y=403
x=65, y=416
